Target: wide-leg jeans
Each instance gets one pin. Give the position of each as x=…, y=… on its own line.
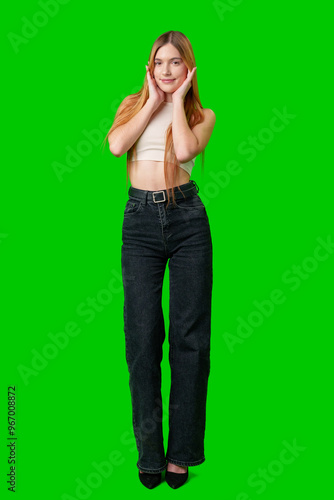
x=152, y=235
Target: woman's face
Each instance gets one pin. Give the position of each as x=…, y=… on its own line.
x=168, y=65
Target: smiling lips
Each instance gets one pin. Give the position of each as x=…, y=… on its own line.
x=167, y=81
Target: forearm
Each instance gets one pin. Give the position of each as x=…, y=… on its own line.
x=183, y=138
x=124, y=136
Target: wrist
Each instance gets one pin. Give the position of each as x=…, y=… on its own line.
x=178, y=100
x=152, y=104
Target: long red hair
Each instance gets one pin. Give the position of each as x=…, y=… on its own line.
x=133, y=103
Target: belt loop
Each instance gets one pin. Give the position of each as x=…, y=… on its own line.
x=195, y=183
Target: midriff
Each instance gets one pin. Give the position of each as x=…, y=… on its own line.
x=149, y=175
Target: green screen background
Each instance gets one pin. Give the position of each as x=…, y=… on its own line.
x=271, y=222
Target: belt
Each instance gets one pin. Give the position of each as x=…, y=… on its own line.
x=160, y=196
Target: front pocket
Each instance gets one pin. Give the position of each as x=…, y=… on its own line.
x=132, y=207
x=190, y=203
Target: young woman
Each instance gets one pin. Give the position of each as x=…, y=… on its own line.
x=162, y=128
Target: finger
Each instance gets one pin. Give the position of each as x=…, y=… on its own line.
x=192, y=73
x=148, y=72
x=149, y=77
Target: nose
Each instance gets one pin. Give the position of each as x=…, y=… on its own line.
x=166, y=72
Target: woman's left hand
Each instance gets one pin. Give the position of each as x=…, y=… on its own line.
x=181, y=92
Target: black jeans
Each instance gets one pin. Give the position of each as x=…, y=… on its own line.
x=153, y=235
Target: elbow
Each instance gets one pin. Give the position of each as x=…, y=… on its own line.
x=184, y=157
x=180, y=156
x=113, y=149
x=115, y=153
x=187, y=153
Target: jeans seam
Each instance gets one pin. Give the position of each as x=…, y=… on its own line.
x=152, y=471
x=185, y=463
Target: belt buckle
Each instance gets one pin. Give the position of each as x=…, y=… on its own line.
x=156, y=192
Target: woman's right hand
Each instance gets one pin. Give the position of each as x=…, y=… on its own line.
x=156, y=95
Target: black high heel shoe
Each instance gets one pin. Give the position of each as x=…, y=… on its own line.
x=150, y=480
x=175, y=480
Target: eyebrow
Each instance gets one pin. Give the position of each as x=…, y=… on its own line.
x=157, y=59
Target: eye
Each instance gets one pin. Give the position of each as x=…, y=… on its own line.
x=176, y=62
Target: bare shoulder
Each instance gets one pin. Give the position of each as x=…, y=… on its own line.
x=209, y=115
x=209, y=118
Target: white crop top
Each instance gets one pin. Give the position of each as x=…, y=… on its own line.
x=151, y=143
